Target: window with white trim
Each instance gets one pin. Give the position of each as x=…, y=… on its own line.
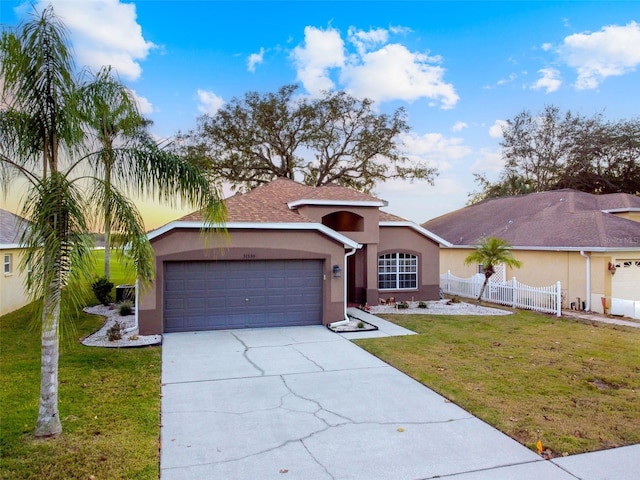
x=8, y=263
x=397, y=271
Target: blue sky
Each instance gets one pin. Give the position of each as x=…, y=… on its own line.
x=459, y=68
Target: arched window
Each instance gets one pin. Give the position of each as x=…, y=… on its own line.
x=397, y=271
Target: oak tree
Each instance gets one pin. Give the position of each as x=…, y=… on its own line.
x=336, y=138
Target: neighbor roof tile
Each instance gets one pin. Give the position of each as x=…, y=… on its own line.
x=559, y=218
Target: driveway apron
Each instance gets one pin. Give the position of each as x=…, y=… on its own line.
x=306, y=403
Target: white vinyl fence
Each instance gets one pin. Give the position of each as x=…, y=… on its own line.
x=512, y=293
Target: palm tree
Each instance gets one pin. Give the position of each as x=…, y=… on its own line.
x=491, y=251
x=112, y=120
x=43, y=142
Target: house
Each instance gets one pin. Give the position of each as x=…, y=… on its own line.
x=590, y=243
x=12, y=281
x=292, y=255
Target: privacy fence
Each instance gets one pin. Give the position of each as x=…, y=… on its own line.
x=511, y=293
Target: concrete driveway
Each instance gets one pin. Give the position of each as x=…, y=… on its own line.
x=306, y=403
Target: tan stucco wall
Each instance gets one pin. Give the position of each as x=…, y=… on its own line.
x=404, y=239
x=635, y=216
x=543, y=268
x=370, y=215
x=184, y=245
x=12, y=292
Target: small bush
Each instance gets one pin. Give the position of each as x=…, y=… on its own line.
x=115, y=332
x=422, y=305
x=402, y=305
x=102, y=290
x=125, y=307
x=360, y=324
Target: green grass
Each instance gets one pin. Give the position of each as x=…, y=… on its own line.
x=109, y=401
x=573, y=385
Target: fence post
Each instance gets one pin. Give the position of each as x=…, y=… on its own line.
x=514, y=284
x=558, y=299
x=448, y=281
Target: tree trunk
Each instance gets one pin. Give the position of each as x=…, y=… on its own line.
x=107, y=217
x=484, y=285
x=107, y=249
x=48, y=423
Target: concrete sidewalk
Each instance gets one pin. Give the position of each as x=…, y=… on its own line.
x=307, y=403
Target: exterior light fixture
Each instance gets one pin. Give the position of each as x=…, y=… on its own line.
x=337, y=271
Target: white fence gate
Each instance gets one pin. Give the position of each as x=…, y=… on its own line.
x=512, y=293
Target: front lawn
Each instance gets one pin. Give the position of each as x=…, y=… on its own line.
x=573, y=385
x=109, y=402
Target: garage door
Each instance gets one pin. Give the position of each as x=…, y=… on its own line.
x=215, y=295
x=625, y=287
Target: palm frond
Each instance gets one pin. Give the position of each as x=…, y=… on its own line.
x=58, y=249
x=127, y=227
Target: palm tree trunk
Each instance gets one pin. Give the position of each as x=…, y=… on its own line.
x=48, y=423
x=107, y=246
x=107, y=210
x=484, y=285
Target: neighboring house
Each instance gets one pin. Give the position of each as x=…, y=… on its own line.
x=293, y=255
x=12, y=281
x=590, y=243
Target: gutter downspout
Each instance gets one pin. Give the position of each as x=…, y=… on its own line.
x=135, y=309
x=588, y=286
x=346, y=318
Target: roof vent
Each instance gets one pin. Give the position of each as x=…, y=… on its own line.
x=510, y=222
x=562, y=199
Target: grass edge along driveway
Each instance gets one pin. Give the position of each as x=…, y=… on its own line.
x=109, y=402
x=574, y=386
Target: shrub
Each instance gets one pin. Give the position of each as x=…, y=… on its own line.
x=402, y=305
x=102, y=290
x=422, y=305
x=361, y=324
x=114, y=332
x=125, y=307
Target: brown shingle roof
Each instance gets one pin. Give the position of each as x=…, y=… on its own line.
x=390, y=217
x=559, y=218
x=268, y=203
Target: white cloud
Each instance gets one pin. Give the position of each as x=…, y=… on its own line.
x=509, y=79
x=399, y=30
x=255, y=59
x=374, y=68
x=365, y=40
x=459, y=126
x=144, y=105
x=322, y=50
x=549, y=80
x=547, y=46
x=434, y=149
x=395, y=73
x=612, y=51
x=210, y=103
x=495, y=131
x=420, y=202
x=104, y=32
x=488, y=161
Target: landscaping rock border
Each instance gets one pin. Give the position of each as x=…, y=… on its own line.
x=439, y=307
x=131, y=339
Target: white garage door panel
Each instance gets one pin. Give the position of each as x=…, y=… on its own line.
x=625, y=288
x=625, y=283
